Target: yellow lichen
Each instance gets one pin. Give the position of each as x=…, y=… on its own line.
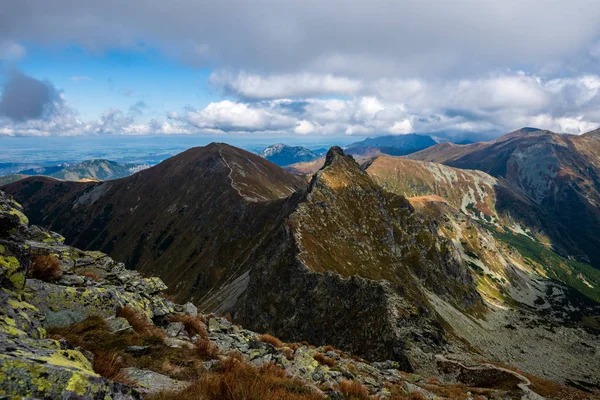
x=22, y=218
x=78, y=384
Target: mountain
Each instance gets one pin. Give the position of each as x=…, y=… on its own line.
x=485, y=215
x=84, y=326
x=86, y=170
x=191, y=220
x=343, y=260
x=282, y=154
x=560, y=173
x=396, y=145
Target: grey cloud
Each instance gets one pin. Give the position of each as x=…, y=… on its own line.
x=24, y=98
x=357, y=38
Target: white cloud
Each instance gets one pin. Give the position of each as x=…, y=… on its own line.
x=290, y=85
x=304, y=127
x=500, y=102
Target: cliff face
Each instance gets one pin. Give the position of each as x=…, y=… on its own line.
x=351, y=266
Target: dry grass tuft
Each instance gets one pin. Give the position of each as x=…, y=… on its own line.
x=92, y=275
x=272, y=340
x=324, y=360
x=110, y=365
x=328, y=348
x=139, y=321
x=205, y=349
x=288, y=353
x=234, y=380
x=294, y=346
x=45, y=268
x=354, y=389
x=193, y=326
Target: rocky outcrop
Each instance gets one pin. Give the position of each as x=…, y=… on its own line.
x=350, y=267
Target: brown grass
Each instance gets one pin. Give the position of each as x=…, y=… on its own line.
x=272, y=340
x=110, y=365
x=92, y=275
x=139, y=321
x=328, y=348
x=110, y=350
x=193, y=326
x=234, y=380
x=294, y=346
x=206, y=349
x=288, y=353
x=324, y=360
x=45, y=268
x=354, y=389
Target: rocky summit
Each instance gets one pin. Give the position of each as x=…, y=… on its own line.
x=416, y=267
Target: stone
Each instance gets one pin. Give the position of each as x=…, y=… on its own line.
x=177, y=343
x=190, y=309
x=138, y=351
x=219, y=325
x=118, y=324
x=175, y=329
x=151, y=382
x=72, y=280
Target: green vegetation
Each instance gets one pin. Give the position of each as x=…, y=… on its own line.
x=569, y=272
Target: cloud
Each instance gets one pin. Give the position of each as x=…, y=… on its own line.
x=255, y=86
x=360, y=39
x=24, y=98
x=11, y=51
x=493, y=104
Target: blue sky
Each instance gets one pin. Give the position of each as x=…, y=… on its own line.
x=119, y=78
x=300, y=68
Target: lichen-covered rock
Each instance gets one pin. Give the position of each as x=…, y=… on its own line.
x=152, y=382
x=36, y=368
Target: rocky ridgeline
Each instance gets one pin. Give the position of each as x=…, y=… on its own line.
x=38, y=358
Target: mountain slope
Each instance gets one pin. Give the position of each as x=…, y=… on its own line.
x=282, y=154
x=560, y=173
x=476, y=202
x=190, y=220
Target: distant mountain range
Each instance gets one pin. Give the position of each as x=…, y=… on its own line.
x=282, y=154
x=99, y=169
x=298, y=158
x=395, y=145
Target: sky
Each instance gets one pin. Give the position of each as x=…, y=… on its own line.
x=297, y=68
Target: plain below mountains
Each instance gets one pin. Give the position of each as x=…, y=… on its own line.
x=389, y=259
x=98, y=169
